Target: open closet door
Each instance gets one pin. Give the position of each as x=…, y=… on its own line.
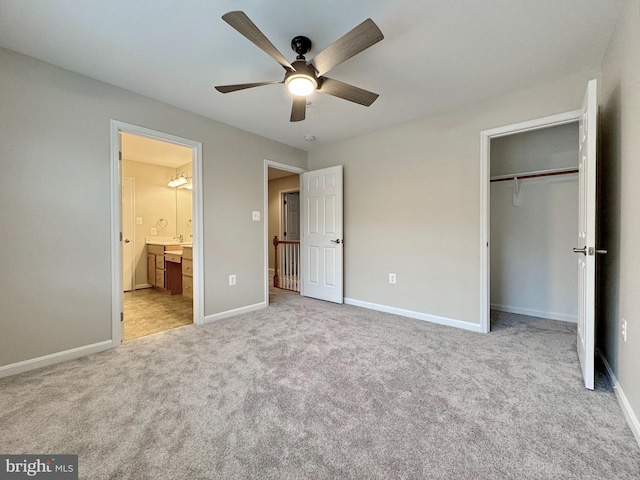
x=322, y=245
x=587, y=234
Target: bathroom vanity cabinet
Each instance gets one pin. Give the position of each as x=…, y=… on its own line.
x=156, y=265
x=187, y=272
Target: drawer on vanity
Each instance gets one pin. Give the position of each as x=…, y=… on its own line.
x=187, y=267
x=159, y=278
x=155, y=249
x=172, y=257
x=187, y=286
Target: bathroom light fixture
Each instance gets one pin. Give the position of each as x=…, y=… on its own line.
x=178, y=181
x=188, y=185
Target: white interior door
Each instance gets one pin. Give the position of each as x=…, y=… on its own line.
x=291, y=207
x=322, y=242
x=587, y=234
x=128, y=226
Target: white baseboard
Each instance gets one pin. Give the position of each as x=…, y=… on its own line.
x=535, y=313
x=417, y=315
x=58, y=357
x=234, y=312
x=629, y=414
x=143, y=285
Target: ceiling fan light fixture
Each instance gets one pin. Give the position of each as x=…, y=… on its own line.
x=301, y=85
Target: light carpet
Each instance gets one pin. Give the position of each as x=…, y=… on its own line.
x=308, y=389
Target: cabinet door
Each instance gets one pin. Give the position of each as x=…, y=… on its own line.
x=187, y=267
x=187, y=286
x=159, y=278
x=151, y=269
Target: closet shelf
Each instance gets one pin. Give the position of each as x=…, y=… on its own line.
x=536, y=174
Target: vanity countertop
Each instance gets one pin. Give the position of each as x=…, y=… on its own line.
x=173, y=252
x=166, y=241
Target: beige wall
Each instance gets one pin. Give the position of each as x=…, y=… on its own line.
x=620, y=204
x=412, y=201
x=543, y=149
x=153, y=200
x=56, y=207
x=277, y=186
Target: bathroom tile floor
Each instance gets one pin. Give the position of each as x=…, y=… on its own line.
x=150, y=311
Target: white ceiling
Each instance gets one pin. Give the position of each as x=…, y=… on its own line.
x=436, y=55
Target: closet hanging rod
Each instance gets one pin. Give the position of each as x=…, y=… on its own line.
x=541, y=173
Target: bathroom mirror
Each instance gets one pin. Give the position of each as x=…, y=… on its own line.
x=184, y=208
x=184, y=214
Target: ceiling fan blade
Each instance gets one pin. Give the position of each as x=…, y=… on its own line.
x=242, y=86
x=350, y=44
x=299, y=108
x=246, y=27
x=347, y=92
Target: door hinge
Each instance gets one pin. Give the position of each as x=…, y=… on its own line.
x=120, y=236
x=119, y=155
x=285, y=234
x=122, y=316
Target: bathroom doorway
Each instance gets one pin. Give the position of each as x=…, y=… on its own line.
x=158, y=262
x=161, y=173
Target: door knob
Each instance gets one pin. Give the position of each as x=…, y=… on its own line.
x=126, y=240
x=591, y=251
x=337, y=241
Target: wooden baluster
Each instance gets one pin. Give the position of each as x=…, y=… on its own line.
x=289, y=267
x=295, y=268
x=276, y=280
x=298, y=268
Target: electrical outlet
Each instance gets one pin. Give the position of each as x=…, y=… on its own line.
x=232, y=279
x=255, y=216
x=392, y=278
x=624, y=330
x=154, y=231
x=138, y=220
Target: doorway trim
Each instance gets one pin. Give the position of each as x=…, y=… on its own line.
x=133, y=233
x=265, y=208
x=117, y=295
x=485, y=171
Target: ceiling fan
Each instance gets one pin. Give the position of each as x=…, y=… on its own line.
x=302, y=77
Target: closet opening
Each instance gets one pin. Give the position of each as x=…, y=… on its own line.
x=533, y=211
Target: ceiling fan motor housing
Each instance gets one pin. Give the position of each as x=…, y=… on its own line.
x=301, y=45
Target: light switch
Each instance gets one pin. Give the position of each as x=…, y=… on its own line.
x=154, y=231
x=256, y=216
x=138, y=220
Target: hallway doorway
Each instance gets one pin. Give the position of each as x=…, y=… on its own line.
x=282, y=184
